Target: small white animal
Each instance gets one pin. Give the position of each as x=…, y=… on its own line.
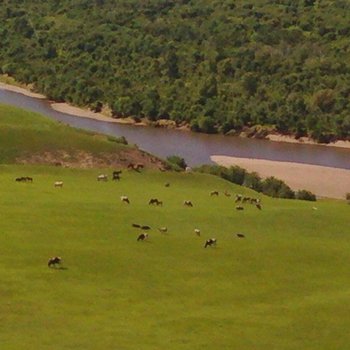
x=197, y=231
x=58, y=184
x=125, y=199
x=163, y=229
x=102, y=177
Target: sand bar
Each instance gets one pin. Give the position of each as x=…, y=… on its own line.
x=321, y=180
x=83, y=113
x=306, y=140
x=20, y=90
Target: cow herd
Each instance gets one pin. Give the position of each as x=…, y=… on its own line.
x=211, y=242
x=143, y=236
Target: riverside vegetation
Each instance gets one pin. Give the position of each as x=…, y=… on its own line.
x=250, y=67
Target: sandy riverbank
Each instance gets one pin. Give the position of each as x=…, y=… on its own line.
x=306, y=140
x=85, y=113
x=323, y=181
x=20, y=90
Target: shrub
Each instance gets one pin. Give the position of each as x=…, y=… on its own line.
x=120, y=139
x=305, y=195
x=277, y=188
x=177, y=161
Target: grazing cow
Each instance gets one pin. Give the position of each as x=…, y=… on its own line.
x=214, y=193
x=136, y=225
x=24, y=179
x=238, y=198
x=54, y=261
x=258, y=206
x=125, y=199
x=155, y=201
x=142, y=237
x=102, y=177
x=245, y=199
x=139, y=166
x=227, y=194
x=163, y=229
x=145, y=227
x=117, y=172
x=167, y=184
x=239, y=207
x=115, y=177
x=188, y=204
x=197, y=231
x=135, y=167
x=210, y=242
x=58, y=184
x=188, y=169
x=240, y=235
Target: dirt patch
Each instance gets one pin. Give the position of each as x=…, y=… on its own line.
x=83, y=159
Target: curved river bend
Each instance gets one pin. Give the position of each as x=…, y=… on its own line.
x=195, y=148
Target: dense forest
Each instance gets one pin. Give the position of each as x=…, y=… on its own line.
x=225, y=66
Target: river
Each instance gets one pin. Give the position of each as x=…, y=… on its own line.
x=195, y=148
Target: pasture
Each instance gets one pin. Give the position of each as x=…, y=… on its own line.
x=284, y=286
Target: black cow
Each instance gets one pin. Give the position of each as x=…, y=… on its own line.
x=210, y=242
x=142, y=237
x=54, y=261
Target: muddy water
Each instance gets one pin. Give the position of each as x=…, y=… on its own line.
x=195, y=148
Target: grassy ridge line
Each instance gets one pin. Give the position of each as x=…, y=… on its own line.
x=29, y=137
x=278, y=288
x=23, y=132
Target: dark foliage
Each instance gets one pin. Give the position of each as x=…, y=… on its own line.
x=305, y=195
x=177, y=161
x=218, y=65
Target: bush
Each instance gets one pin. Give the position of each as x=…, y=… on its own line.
x=177, y=161
x=121, y=140
x=277, y=188
x=305, y=195
x=347, y=196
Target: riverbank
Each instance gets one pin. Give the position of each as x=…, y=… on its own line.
x=163, y=123
x=21, y=90
x=323, y=181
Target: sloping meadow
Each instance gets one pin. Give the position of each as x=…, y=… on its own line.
x=284, y=285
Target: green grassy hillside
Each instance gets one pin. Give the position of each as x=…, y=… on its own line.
x=30, y=137
x=284, y=286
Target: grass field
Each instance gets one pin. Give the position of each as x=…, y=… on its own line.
x=24, y=133
x=285, y=286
